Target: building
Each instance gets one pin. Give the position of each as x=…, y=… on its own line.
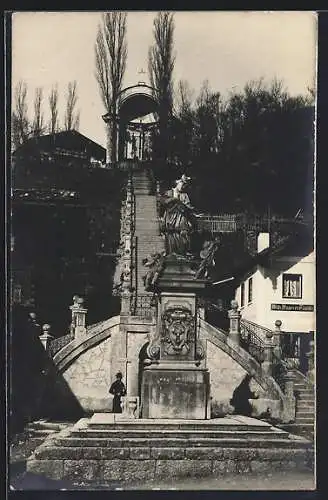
x=68, y=147
x=278, y=284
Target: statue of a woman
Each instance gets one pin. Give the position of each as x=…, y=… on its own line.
x=178, y=219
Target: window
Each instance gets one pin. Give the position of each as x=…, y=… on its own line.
x=242, y=295
x=250, y=290
x=292, y=286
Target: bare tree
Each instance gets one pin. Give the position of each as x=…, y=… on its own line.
x=184, y=98
x=38, y=120
x=72, y=117
x=161, y=62
x=53, y=105
x=110, y=56
x=20, y=121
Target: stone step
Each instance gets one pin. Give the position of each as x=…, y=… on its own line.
x=45, y=425
x=187, y=438
x=306, y=399
x=304, y=420
x=144, y=453
x=305, y=405
x=304, y=413
x=195, y=427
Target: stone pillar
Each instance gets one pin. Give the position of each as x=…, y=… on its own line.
x=201, y=312
x=311, y=364
x=290, y=402
x=277, y=331
x=126, y=294
x=45, y=337
x=234, y=317
x=268, y=354
x=78, y=326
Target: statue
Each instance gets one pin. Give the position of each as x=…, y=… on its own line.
x=155, y=263
x=207, y=254
x=178, y=219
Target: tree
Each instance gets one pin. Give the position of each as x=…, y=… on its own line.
x=38, y=120
x=72, y=117
x=161, y=62
x=53, y=105
x=20, y=121
x=110, y=58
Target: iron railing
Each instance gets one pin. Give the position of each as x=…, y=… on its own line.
x=143, y=306
x=217, y=223
x=251, y=342
x=260, y=331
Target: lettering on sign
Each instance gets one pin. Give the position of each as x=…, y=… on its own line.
x=292, y=307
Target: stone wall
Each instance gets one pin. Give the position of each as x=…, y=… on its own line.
x=88, y=365
x=89, y=377
x=226, y=374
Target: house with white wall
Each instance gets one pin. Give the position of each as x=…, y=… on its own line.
x=279, y=284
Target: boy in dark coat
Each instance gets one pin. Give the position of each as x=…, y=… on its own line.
x=118, y=390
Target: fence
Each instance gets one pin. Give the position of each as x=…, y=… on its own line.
x=251, y=342
x=143, y=306
x=217, y=223
x=229, y=223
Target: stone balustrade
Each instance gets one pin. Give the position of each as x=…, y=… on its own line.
x=125, y=265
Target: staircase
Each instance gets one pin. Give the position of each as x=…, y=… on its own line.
x=146, y=225
x=109, y=448
x=305, y=405
x=305, y=408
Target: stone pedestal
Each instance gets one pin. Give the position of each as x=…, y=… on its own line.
x=175, y=391
x=175, y=381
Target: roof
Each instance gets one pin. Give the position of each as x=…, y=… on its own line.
x=69, y=140
x=296, y=245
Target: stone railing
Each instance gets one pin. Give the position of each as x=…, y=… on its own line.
x=57, y=344
x=128, y=249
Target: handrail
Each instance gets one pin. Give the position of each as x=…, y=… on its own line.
x=257, y=329
x=251, y=342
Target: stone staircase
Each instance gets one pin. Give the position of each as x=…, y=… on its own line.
x=304, y=424
x=109, y=448
x=305, y=405
x=39, y=430
x=146, y=225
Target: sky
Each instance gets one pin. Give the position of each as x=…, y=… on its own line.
x=226, y=48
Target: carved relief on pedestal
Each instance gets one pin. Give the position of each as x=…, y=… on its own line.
x=200, y=350
x=178, y=331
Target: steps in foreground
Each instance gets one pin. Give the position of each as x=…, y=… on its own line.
x=108, y=448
